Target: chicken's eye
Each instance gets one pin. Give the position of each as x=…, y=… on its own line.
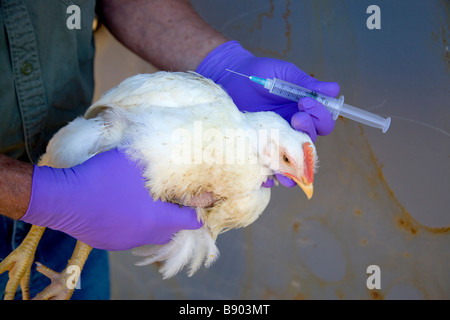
x=285, y=158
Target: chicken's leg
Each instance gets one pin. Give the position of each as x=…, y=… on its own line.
x=19, y=262
x=63, y=284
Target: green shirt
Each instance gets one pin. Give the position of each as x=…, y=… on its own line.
x=46, y=80
x=46, y=72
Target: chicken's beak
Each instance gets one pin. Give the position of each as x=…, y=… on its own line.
x=306, y=186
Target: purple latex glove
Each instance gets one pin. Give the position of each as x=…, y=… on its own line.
x=307, y=115
x=285, y=181
x=103, y=202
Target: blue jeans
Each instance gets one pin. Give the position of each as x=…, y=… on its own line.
x=54, y=251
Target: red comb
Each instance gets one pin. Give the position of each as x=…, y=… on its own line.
x=309, y=162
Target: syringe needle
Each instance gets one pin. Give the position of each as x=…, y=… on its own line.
x=238, y=73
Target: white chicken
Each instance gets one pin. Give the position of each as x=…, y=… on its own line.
x=196, y=149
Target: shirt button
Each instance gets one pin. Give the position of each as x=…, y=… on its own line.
x=26, y=68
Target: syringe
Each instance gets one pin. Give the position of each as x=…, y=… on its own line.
x=337, y=107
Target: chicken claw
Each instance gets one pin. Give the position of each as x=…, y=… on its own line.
x=19, y=262
x=61, y=287
x=63, y=284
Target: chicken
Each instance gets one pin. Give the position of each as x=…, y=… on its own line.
x=196, y=149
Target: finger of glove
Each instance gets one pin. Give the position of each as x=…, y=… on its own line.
x=176, y=216
x=269, y=183
x=301, y=78
x=303, y=122
x=167, y=219
x=285, y=181
x=327, y=88
x=321, y=117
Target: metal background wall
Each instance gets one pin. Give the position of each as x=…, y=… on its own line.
x=379, y=199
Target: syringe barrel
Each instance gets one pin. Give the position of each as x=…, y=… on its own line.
x=295, y=93
x=337, y=107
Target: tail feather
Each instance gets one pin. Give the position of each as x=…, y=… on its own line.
x=188, y=247
x=206, y=252
x=179, y=253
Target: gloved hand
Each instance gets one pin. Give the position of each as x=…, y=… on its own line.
x=307, y=115
x=103, y=202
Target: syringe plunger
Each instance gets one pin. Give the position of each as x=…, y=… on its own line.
x=365, y=117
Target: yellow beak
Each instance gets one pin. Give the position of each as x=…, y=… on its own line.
x=302, y=183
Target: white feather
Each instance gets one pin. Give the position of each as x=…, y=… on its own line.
x=187, y=247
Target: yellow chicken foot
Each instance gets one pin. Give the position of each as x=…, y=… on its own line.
x=19, y=262
x=63, y=284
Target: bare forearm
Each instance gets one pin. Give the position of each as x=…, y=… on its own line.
x=15, y=186
x=167, y=33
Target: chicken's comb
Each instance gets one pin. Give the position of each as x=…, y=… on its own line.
x=309, y=162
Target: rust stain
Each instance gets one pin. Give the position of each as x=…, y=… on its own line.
x=407, y=224
x=265, y=14
x=363, y=242
x=403, y=219
x=287, y=33
x=340, y=295
x=299, y=296
x=444, y=35
x=296, y=226
x=376, y=295
x=357, y=212
x=445, y=229
x=446, y=48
